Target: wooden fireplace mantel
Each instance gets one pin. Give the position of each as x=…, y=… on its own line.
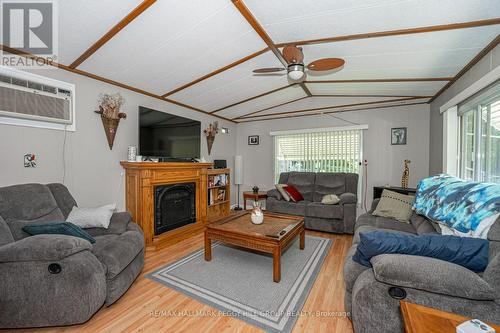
x=140, y=180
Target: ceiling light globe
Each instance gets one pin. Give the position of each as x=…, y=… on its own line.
x=296, y=72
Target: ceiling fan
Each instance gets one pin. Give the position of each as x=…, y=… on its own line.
x=296, y=68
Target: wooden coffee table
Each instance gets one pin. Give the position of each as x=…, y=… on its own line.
x=272, y=236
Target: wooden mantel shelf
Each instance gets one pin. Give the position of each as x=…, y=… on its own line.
x=140, y=180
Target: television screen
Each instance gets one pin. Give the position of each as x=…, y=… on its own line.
x=166, y=135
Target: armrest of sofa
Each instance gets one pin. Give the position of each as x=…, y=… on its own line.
x=374, y=205
x=348, y=198
x=117, y=225
x=432, y=275
x=43, y=247
x=274, y=193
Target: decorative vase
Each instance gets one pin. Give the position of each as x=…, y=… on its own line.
x=110, y=128
x=257, y=216
x=255, y=190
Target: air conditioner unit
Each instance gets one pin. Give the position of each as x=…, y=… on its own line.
x=35, y=98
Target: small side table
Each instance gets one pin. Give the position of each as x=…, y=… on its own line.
x=377, y=190
x=421, y=319
x=250, y=195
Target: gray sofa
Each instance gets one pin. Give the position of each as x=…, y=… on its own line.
x=426, y=281
x=339, y=218
x=53, y=280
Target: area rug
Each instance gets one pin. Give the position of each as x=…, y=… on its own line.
x=240, y=283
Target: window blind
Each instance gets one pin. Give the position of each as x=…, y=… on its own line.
x=329, y=151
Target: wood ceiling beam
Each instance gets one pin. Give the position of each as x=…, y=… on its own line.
x=217, y=71
x=308, y=115
x=471, y=63
x=271, y=107
x=417, y=79
x=368, y=95
x=409, y=31
x=243, y=9
x=336, y=107
x=443, y=27
x=254, y=97
x=102, y=79
x=247, y=14
x=112, y=32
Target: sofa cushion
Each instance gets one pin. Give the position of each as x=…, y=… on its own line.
x=117, y=251
x=384, y=223
x=368, y=228
x=422, y=225
x=28, y=202
x=16, y=226
x=5, y=234
x=59, y=228
x=352, y=269
x=64, y=199
x=317, y=209
x=304, y=182
x=285, y=207
x=293, y=193
x=328, y=183
x=395, y=205
x=471, y=253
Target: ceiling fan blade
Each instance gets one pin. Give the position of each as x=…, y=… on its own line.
x=268, y=70
x=293, y=54
x=326, y=64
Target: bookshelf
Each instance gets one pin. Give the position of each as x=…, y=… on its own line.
x=219, y=193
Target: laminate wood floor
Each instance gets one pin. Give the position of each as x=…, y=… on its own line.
x=135, y=311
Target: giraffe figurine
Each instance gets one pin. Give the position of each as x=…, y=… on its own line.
x=406, y=174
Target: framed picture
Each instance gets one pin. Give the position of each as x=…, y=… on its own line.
x=398, y=136
x=253, y=140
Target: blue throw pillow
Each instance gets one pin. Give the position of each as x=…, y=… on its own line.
x=58, y=228
x=471, y=253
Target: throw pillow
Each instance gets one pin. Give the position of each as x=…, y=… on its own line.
x=330, y=199
x=471, y=253
x=281, y=189
x=58, y=228
x=294, y=193
x=91, y=217
x=395, y=205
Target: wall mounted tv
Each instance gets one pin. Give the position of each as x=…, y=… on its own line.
x=168, y=136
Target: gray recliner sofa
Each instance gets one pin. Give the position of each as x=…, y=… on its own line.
x=53, y=280
x=339, y=218
x=421, y=280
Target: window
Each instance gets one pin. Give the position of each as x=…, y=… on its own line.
x=326, y=150
x=480, y=136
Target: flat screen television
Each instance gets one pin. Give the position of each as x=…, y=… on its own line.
x=168, y=136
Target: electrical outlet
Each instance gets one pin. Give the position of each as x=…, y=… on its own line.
x=29, y=161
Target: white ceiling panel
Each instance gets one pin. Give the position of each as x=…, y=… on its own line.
x=282, y=96
x=83, y=22
x=233, y=85
x=332, y=110
x=322, y=102
x=291, y=20
x=436, y=54
x=379, y=88
x=175, y=42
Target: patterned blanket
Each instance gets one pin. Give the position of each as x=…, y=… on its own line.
x=458, y=204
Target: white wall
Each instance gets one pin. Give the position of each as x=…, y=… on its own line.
x=93, y=172
x=489, y=62
x=385, y=162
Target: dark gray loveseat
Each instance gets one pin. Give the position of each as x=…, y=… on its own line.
x=426, y=281
x=339, y=218
x=49, y=280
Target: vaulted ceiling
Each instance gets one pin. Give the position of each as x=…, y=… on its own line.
x=200, y=54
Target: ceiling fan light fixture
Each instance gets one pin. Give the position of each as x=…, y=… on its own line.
x=296, y=71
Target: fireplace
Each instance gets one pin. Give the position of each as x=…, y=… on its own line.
x=175, y=206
